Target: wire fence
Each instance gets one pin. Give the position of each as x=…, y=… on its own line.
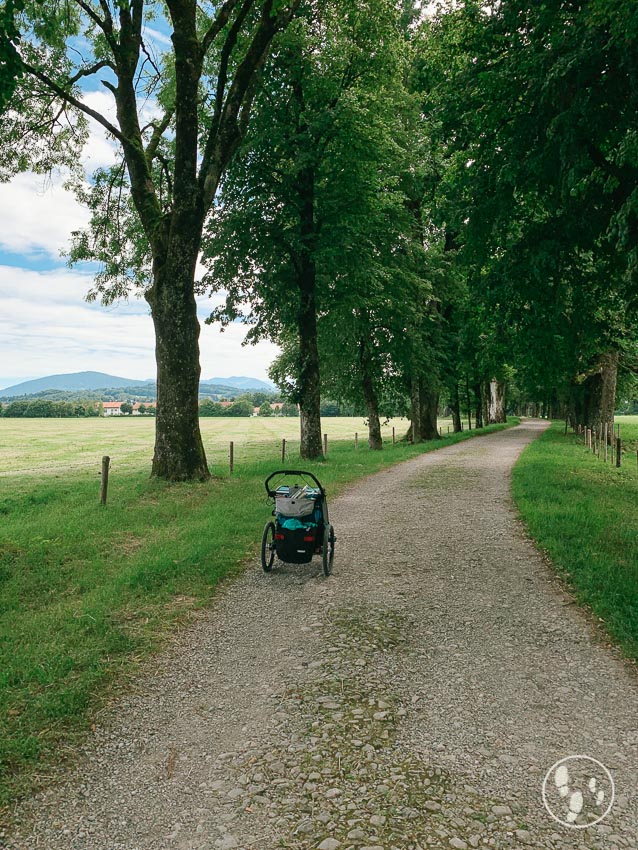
x=221, y=454
x=606, y=443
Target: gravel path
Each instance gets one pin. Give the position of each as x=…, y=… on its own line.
x=415, y=699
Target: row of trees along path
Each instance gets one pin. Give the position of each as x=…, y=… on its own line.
x=417, y=208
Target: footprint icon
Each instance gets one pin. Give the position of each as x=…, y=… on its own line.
x=576, y=801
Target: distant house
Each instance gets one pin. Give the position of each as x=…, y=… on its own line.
x=275, y=406
x=146, y=404
x=112, y=408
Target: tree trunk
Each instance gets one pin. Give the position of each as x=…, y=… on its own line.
x=456, y=410
x=415, y=411
x=428, y=410
x=309, y=378
x=599, y=391
x=485, y=398
x=375, y=441
x=478, y=405
x=179, y=450
x=309, y=372
x=497, y=402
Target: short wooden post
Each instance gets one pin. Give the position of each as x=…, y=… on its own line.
x=600, y=440
x=605, y=452
x=618, y=451
x=104, y=484
x=448, y=429
x=394, y=439
x=283, y=450
x=440, y=434
x=325, y=444
x=356, y=440
x=232, y=456
x=566, y=423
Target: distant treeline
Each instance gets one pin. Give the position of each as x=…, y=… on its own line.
x=41, y=408
x=45, y=409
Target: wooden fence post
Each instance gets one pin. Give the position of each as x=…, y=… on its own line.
x=325, y=444
x=393, y=436
x=232, y=456
x=356, y=440
x=104, y=484
x=283, y=450
x=618, y=451
x=605, y=453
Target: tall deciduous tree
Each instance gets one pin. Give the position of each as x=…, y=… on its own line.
x=298, y=206
x=179, y=117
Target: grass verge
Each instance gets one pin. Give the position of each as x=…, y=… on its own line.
x=582, y=512
x=86, y=592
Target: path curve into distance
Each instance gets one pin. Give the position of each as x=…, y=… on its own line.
x=415, y=699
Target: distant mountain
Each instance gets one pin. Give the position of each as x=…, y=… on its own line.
x=87, y=386
x=242, y=383
x=72, y=381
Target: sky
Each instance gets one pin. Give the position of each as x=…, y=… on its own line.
x=47, y=327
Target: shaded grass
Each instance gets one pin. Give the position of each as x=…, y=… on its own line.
x=582, y=512
x=87, y=591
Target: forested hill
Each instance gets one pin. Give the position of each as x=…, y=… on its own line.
x=103, y=387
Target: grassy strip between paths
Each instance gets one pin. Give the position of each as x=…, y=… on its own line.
x=87, y=591
x=582, y=512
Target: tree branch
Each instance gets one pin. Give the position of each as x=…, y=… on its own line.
x=86, y=72
x=73, y=101
x=158, y=132
x=105, y=24
x=224, y=137
x=218, y=24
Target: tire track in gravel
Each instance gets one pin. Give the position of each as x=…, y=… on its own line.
x=415, y=699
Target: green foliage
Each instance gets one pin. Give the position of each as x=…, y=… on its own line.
x=330, y=133
x=528, y=104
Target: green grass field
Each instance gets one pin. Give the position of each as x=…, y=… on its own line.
x=582, y=512
x=86, y=591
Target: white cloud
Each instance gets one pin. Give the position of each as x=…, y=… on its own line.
x=46, y=328
x=37, y=216
x=161, y=38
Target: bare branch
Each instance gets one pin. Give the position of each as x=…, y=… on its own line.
x=158, y=132
x=86, y=72
x=73, y=101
